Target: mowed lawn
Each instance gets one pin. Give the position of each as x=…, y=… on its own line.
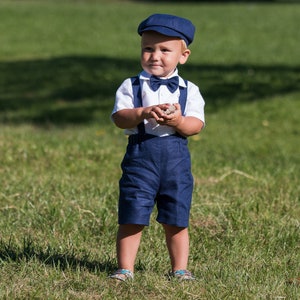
x=60, y=65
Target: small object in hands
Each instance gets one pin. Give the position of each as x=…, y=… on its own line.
x=170, y=110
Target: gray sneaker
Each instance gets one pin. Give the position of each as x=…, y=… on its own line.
x=183, y=275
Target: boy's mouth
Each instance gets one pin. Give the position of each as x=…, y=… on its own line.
x=155, y=66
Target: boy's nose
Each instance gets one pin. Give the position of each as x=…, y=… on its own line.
x=155, y=55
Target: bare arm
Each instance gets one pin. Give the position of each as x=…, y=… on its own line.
x=131, y=117
x=188, y=126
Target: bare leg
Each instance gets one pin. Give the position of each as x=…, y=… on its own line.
x=128, y=241
x=177, y=239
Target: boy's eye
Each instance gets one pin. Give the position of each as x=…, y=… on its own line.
x=147, y=49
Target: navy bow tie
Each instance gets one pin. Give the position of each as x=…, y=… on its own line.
x=171, y=83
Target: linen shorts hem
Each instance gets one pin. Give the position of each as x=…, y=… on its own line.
x=183, y=224
x=129, y=222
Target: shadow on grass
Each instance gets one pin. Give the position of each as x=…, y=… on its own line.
x=30, y=251
x=74, y=90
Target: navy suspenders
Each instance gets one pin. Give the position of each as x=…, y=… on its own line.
x=136, y=89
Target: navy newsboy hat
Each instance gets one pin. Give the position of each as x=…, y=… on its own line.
x=169, y=25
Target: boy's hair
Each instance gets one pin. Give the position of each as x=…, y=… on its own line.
x=183, y=45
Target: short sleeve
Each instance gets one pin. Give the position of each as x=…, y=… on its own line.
x=195, y=102
x=124, y=96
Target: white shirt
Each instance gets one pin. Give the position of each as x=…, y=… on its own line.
x=124, y=100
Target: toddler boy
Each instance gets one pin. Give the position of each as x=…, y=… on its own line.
x=158, y=110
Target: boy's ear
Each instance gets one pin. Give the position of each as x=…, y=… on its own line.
x=184, y=56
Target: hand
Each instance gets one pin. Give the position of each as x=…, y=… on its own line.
x=156, y=111
x=164, y=116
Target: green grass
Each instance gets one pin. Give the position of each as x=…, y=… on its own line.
x=60, y=64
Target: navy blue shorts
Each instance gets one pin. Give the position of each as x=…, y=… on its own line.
x=156, y=170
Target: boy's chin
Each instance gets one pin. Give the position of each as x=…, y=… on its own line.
x=158, y=73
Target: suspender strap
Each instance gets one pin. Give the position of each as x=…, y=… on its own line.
x=137, y=96
x=136, y=89
x=183, y=96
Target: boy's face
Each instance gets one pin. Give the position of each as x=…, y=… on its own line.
x=161, y=54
